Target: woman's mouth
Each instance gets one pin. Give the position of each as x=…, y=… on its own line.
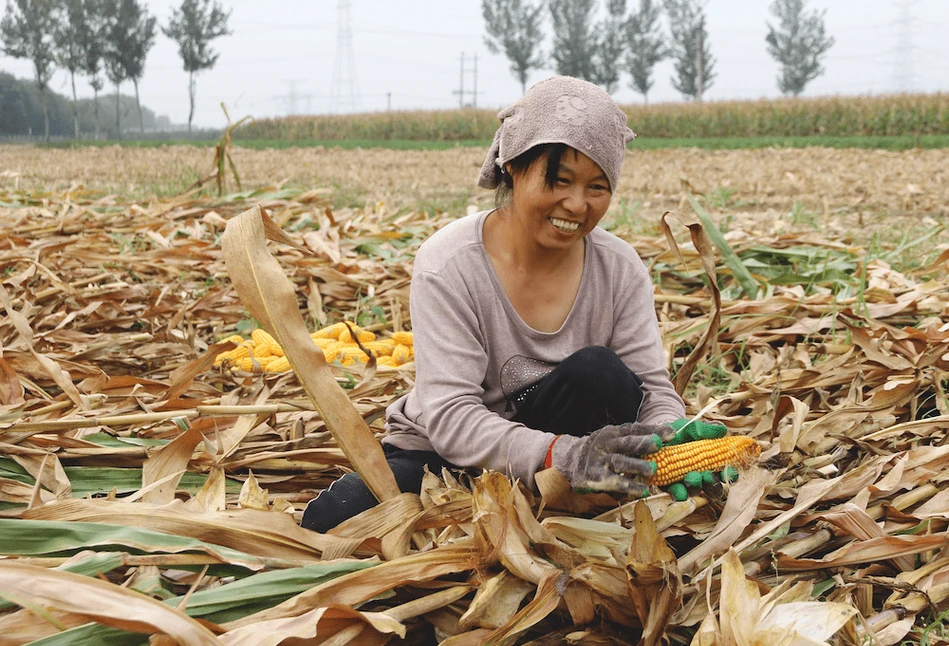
x=564, y=225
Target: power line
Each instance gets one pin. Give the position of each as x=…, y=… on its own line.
x=376, y=31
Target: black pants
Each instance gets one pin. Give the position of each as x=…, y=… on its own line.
x=586, y=391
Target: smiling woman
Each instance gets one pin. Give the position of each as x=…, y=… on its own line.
x=536, y=339
x=535, y=243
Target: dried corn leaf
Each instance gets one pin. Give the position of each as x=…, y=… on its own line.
x=653, y=576
x=269, y=296
x=324, y=622
x=98, y=600
x=496, y=601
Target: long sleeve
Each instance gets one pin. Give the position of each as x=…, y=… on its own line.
x=467, y=335
x=451, y=364
x=638, y=342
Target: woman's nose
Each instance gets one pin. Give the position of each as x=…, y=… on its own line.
x=575, y=201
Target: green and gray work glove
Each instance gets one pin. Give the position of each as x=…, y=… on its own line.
x=602, y=460
x=689, y=431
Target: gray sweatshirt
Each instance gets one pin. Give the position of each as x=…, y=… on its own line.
x=467, y=335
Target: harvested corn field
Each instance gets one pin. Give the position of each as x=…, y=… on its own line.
x=829, y=183
x=147, y=489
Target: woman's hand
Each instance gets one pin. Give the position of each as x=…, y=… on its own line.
x=602, y=460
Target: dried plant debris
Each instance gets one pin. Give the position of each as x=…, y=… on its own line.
x=151, y=493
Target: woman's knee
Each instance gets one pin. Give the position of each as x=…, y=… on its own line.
x=594, y=365
x=342, y=500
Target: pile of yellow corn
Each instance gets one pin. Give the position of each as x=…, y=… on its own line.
x=262, y=353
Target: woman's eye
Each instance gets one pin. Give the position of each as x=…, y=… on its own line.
x=600, y=187
x=563, y=180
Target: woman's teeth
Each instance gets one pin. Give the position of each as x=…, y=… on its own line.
x=564, y=225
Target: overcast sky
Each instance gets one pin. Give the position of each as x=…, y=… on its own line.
x=282, y=56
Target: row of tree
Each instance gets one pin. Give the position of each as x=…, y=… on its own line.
x=601, y=50
x=106, y=40
x=21, y=107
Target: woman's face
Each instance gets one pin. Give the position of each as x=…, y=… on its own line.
x=559, y=217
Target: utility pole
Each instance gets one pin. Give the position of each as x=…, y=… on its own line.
x=461, y=92
x=344, y=96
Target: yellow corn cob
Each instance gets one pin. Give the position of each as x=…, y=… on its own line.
x=246, y=364
x=241, y=352
x=402, y=353
x=382, y=348
x=351, y=351
x=402, y=338
x=279, y=364
x=330, y=331
x=387, y=361
x=673, y=462
x=264, y=362
x=323, y=344
x=363, y=335
x=264, y=344
x=330, y=353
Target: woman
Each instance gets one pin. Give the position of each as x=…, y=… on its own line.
x=536, y=339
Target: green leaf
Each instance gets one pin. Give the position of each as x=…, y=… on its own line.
x=264, y=590
x=748, y=284
x=222, y=604
x=58, y=538
x=87, y=480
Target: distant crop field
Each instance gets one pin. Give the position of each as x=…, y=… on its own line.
x=909, y=115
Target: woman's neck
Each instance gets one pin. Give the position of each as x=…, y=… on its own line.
x=541, y=284
x=508, y=242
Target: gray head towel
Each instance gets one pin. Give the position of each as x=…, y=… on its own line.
x=566, y=110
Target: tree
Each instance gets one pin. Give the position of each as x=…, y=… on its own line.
x=610, y=46
x=27, y=32
x=130, y=35
x=142, y=39
x=92, y=36
x=575, y=44
x=193, y=27
x=72, y=33
x=513, y=27
x=644, y=46
x=692, y=56
x=115, y=39
x=797, y=44
x=21, y=108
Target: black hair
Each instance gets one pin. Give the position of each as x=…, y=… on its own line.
x=554, y=153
